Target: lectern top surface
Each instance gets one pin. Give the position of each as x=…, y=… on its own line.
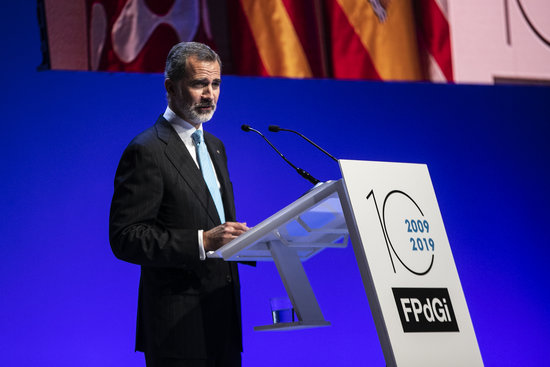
x=313, y=222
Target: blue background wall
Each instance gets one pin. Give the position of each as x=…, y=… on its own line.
x=66, y=301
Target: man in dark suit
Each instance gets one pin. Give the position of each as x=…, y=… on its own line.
x=171, y=205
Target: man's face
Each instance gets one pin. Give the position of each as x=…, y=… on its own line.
x=194, y=97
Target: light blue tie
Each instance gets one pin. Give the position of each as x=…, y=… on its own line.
x=208, y=172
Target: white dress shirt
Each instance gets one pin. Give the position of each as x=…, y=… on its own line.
x=185, y=130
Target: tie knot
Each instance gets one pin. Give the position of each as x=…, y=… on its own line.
x=197, y=137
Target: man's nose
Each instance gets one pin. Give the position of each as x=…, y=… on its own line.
x=207, y=91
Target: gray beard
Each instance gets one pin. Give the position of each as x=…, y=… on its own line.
x=198, y=118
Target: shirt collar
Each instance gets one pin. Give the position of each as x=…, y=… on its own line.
x=182, y=127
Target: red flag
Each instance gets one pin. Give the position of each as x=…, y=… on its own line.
x=434, y=39
x=136, y=35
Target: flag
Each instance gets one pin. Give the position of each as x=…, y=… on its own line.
x=342, y=39
x=373, y=40
x=434, y=39
x=118, y=35
x=278, y=38
x=136, y=35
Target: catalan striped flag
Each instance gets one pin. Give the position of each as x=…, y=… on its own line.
x=278, y=38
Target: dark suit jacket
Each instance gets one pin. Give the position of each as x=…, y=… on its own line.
x=187, y=308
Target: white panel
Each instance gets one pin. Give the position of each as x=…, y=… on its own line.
x=401, y=246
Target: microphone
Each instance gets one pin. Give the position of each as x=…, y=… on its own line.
x=275, y=128
x=305, y=174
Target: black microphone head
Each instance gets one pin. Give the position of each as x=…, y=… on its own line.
x=245, y=127
x=273, y=128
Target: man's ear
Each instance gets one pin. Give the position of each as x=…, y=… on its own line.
x=169, y=86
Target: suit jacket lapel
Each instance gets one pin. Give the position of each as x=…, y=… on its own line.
x=182, y=161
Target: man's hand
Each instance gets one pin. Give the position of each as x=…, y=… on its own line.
x=222, y=234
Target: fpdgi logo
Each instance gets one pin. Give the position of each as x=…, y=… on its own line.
x=425, y=309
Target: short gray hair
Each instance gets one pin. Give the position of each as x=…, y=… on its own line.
x=178, y=55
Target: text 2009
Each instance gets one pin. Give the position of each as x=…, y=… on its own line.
x=420, y=226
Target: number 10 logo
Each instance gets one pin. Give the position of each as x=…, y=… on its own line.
x=406, y=232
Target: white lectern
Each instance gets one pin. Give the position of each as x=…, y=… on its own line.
x=402, y=252
x=294, y=234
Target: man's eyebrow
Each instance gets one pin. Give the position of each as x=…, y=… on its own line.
x=206, y=80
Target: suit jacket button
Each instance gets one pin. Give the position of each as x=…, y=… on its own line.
x=228, y=278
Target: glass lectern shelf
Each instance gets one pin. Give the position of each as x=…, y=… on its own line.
x=309, y=225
